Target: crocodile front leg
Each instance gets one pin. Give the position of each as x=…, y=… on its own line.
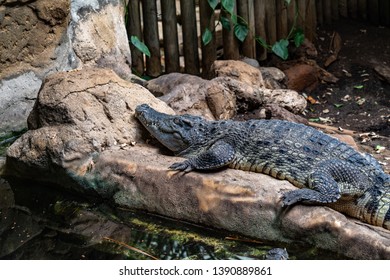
x=220, y=154
x=327, y=183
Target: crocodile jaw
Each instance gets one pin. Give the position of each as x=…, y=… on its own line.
x=167, y=129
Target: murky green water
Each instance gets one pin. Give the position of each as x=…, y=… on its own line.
x=45, y=222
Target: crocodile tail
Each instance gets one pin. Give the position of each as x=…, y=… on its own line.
x=375, y=203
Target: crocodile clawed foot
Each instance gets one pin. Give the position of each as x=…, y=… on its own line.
x=181, y=166
x=290, y=198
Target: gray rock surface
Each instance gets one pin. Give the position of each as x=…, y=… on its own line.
x=17, y=98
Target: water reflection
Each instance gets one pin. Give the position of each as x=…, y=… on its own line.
x=42, y=222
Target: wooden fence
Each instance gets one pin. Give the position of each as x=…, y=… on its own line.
x=374, y=11
x=172, y=29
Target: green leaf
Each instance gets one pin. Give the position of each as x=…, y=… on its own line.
x=225, y=23
x=358, y=87
x=228, y=5
x=337, y=105
x=207, y=36
x=241, y=31
x=213, y=3
x=262, y=42
x=280, y=49
x=233, y=18
x=314, y=120
x=287, y=2
x=140, y=45
x=299, y=37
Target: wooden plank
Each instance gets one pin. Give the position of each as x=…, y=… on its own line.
x=190, y=37
x=362, y=9
x=373, y=11
x=133, y=27
x=311, y=20
x=153, y=63
x=230, y=42
x=302, y=13
x=171, y=45
x=320, y=12
x=335, y=10
x=343, y=8
x=270, y=16
x=281, y=19
x=291, y=13
x=353, y=9
x=209, y=54
x=259, y=7
x=245, y=10
x=327, y=10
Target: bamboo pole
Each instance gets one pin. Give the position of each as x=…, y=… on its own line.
x=335, y=10
x=190, y=38
x=373, y=11
x=320, y=12
x=230, y=42
x=327, y=10
x=384, y=11
x=245, y=10
x=270, y=19
x=259, y=7
x=209, y=54
x=171, y=45
x=133, y=27
x=291, y=13
x=343, y=8
x=282, y=19
x=302, y=13
x=362, y=9
x=153, y=63
x=311, y=20
x=353, y=8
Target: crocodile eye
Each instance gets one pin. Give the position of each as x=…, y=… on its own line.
x=176, y=121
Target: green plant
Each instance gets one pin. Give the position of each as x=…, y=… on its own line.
x=240, y=26
x=280, y=48
x=134, y=40
x=241, y=29
x=140, y=45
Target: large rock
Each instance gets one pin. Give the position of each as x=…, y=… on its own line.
x=40, y=37
x=183, y=92
x=224, y=96
x=237, y=70
x=246, y=203
x=79, y=113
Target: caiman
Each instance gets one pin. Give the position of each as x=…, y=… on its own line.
x=326, y=170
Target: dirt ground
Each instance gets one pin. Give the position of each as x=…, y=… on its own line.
x=360, y=100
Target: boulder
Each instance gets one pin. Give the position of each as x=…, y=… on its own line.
x=183, y=92
x=246, y=203
x=237, y=70
x=273, y=77
x=79, y=113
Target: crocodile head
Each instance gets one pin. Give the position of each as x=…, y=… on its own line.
x=174, y=132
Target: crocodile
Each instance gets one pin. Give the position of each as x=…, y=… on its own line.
x=325, y=170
